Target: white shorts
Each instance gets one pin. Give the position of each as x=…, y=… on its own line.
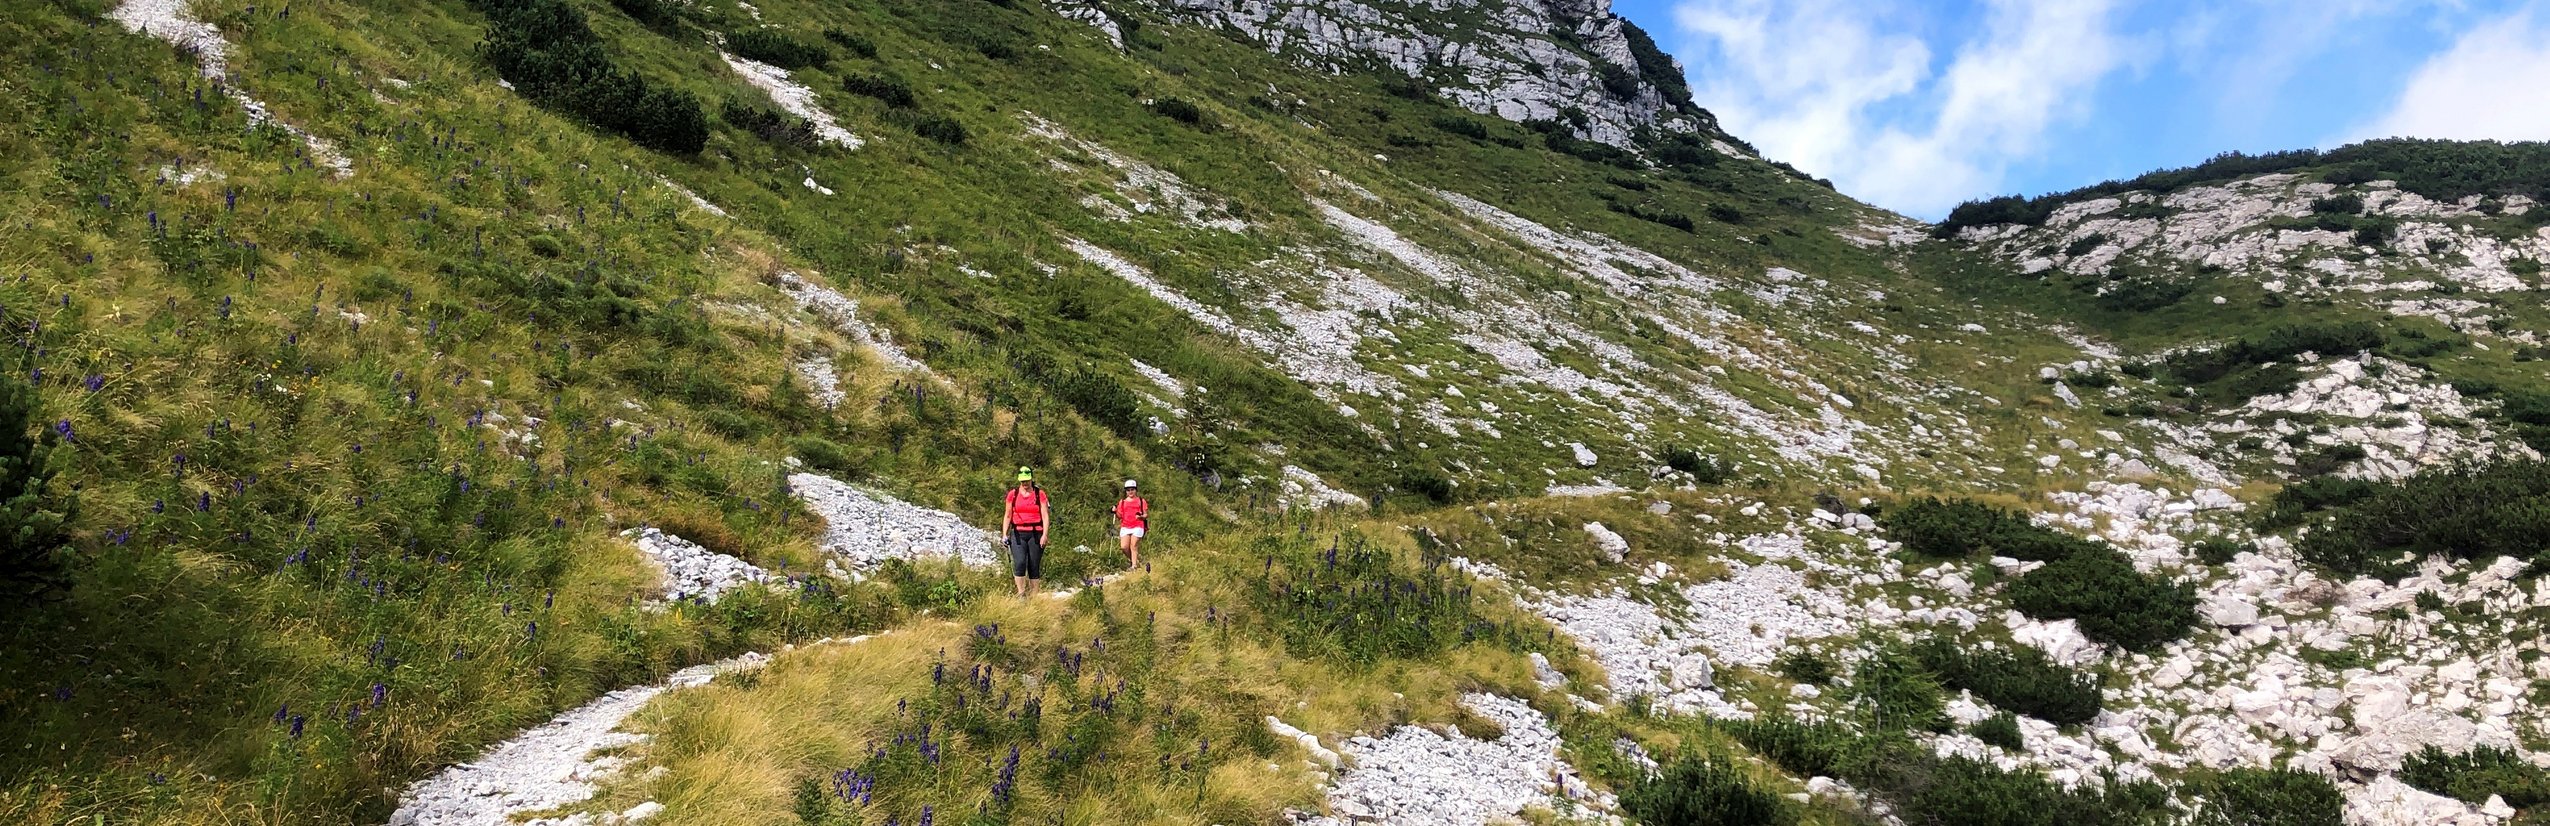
x=1132, y=532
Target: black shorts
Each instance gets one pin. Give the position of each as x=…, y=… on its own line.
x=1027, y=553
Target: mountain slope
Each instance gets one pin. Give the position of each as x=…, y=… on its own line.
x=420, y=372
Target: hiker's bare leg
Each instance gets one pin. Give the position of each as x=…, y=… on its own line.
x=1020, y=584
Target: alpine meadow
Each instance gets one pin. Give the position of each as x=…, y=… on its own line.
x=459, y=412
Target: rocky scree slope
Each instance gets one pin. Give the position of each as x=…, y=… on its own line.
x=790, y=323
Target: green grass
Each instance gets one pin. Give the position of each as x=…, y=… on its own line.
x=331, y=359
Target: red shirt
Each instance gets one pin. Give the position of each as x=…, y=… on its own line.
x=1132, y=512
x=1027, y=509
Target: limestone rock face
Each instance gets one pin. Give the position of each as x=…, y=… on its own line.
x=1521, y=60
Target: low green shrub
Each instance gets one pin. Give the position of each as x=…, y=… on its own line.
x=2467, y=512
x=1966, y=792
x=1700, y=792
x=553, y=58
x=1706, y=470
x=1180, y=110
x=2474, y=775
x=767, y=124
x=33, y=546
x=1428, y=483
x=2345, y=203
x=2113, y=603
x=2094, y=379
x=852, y=43
x=1804, y=749
x=2267, y=797
x=1555, y=136
x=1655, y=215
x=885, y=89
x=2296, y=501
x=2217, y=550
x=2000, y=730
x=1805, y=666
x=2252, y=366
x=2142, y=295
x=2526, y=408
x=2016, y=679
x=663, y=16
x=1900, y=694
x=941, y=128
x=777, y=48
x=1956, y=528
x=826, y=455
x=2328, y=460
x=1103, y=400
x=1462, y=126
x=1924, y=788
x=1358, y=604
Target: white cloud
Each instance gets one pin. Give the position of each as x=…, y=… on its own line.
x=2486, y=85
x=1824, y=84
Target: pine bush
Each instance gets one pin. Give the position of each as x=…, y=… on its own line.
x=1956, y=528
x=1180, y=110
x=2113, y=603
x=2474, y=775
x=1804, y=749
x=2017, y=679
x=885, y=89
x=2463, y=512
x=777, y=48
x=1900, y=694
x=553, y=58
x=1699, y=792
x=33, y=546
x=2000, y=730
x=2268, y=797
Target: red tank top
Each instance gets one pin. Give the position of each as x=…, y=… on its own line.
x=1132, y=512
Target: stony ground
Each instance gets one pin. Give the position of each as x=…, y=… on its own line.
x=552, y=766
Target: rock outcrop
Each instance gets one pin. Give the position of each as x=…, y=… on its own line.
x=1522, y=61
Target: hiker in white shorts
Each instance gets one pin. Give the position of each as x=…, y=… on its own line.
x=1133, y=516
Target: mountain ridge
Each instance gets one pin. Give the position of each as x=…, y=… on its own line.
x=1603, y=448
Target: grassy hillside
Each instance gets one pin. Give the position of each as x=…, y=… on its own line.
x=349, y=456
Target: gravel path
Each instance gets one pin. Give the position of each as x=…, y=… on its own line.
x=546, y=767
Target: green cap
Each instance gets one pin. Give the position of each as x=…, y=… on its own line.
x=1025, y=475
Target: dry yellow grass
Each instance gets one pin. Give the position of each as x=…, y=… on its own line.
x=736, y=752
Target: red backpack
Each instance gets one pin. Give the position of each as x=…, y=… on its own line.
x=1027, y=512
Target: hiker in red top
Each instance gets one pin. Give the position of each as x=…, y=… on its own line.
x=1026, y=516
x=1133, y=515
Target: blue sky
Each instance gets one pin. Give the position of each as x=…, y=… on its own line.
x=1916, y=106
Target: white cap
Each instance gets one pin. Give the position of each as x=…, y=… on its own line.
x=1129, y=484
